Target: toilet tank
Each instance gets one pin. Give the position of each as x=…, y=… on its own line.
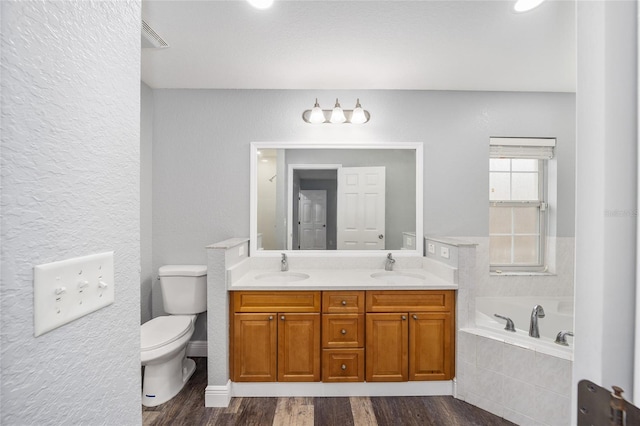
x=184, y=288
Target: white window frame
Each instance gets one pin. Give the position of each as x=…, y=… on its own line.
x=520, y=148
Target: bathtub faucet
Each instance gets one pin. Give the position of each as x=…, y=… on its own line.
x=561, y=338
x=537, y=312
x=284, y=265
x=509, y=326
x=388, y=266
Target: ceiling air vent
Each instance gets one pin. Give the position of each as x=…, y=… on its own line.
x=151, y=39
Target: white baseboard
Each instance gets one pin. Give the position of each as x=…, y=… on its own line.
x=217, y=396
x=197, y=348
x=282, y=389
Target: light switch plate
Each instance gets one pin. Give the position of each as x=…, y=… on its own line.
x=69, y=289
x=431, y=247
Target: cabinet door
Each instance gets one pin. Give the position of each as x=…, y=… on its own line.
x=254, y=347
x=298, y=347
x=431, y=346
x=387, y=347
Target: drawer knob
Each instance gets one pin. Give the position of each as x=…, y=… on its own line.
x=344, y=303
x=415, y=317
x=344, y=367
x=343, y=331
x=282, y=318
x=270, y=317
x=404, y=317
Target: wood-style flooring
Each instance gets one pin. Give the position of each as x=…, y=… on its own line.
x=188, y=409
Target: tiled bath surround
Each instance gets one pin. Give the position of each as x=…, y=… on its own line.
x=519, y=384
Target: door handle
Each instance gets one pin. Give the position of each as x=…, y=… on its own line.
x=380, y=236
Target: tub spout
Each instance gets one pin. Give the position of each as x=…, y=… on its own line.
x=536, y=313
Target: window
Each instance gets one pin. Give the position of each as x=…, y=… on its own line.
x=517, y=204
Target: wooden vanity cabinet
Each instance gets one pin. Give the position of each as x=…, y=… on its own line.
x=275, y=336
x=304, y=336
x=343, y=327
x=410, y=335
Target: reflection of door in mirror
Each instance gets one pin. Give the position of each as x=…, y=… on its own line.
x=309, y=180
x=312, y=226
x=361, y=208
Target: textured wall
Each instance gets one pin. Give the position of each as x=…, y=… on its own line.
x=70, y=187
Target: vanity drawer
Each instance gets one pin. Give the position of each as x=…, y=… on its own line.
x=343, y=365
x=343, y=330
x=410, y=300
x=343, y=302
x=276, y=301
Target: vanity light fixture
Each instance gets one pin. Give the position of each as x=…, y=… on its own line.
x=526, y=5
x=337, y=115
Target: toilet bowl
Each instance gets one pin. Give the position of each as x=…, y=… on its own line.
x=163, y=346
x=164, y=339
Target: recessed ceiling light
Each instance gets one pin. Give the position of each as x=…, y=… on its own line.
x=261, y=4
x=526, y=5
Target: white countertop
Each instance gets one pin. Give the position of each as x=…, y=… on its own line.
x=340, y=279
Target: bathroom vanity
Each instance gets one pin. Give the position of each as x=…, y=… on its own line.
x=342, y=336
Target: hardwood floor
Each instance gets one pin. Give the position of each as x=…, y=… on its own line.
x=188, y=409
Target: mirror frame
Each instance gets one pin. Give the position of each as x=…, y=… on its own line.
x=253, y=193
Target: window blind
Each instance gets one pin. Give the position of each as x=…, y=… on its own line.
x=534, y=148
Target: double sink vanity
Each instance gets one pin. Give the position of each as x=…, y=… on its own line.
x=315, y=310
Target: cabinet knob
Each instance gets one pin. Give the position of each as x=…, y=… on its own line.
x=270, y=317
x=415, y=317
x=344, y=303
x=343, y=331
x=344, y=367
x=404, y=317
x=282, y=318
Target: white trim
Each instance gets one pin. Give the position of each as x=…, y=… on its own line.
x=253, y=195
x=289, y=389
x=197, y=348
x=217, y=396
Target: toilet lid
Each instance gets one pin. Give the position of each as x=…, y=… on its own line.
x=163, y=330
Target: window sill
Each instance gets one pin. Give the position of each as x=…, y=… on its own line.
x=521, y=274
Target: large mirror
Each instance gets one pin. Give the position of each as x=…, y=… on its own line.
x=330, y=197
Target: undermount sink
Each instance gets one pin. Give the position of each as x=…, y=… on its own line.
x=398, y=277
x=279, y=277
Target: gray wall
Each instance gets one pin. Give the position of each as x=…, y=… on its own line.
x=201, y=154
x=202, y=139
x=147, y=274
x=70, y=187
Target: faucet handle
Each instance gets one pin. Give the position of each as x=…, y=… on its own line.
x=561, y=338
x=509, y=326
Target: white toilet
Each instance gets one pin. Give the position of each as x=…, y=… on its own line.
x=164, y=339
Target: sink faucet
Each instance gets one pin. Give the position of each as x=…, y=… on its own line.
x=388, y=266
x=284, y=265
x=537, y=312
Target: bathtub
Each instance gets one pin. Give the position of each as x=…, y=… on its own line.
x=558, y=317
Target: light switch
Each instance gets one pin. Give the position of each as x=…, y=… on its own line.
x=69, y=289
x=431, y=247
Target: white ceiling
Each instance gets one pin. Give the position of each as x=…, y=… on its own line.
x=362, y=44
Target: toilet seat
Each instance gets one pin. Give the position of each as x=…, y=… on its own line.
x=164, y=330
